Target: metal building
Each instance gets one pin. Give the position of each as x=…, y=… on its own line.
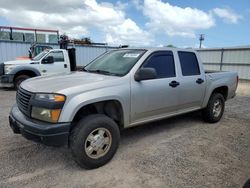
x=10, y=50
x=227, y=59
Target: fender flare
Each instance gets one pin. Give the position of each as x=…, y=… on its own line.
x=25, y=68
x=67, y=115
x=210, y=91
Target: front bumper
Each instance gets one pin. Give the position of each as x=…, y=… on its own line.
x=7, y=80
x=45, y=133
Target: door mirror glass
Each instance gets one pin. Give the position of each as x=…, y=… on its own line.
x=48, y=60
x=145, y=74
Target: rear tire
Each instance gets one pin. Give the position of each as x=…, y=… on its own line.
x=19, y=79
x=94, y=141
x=215, y=108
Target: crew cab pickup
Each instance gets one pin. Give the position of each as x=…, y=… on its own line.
x=48, y=62
x=122, y=88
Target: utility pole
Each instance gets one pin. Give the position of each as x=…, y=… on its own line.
x=201, y=39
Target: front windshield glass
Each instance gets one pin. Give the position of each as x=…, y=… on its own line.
x=39, y=56
x=117, y=62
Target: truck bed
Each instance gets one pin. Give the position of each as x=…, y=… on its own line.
x=212, y=71
x=220, y=78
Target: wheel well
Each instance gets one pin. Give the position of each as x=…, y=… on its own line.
x=111, y=108
x=25, y=72
x=222, y=90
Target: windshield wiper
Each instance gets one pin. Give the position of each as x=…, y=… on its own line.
x=85, y=70
x=99, y=71
x=103, y=72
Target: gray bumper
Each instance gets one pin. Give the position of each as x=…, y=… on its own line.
x=7, y=80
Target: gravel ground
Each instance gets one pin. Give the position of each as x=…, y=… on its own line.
x=177, y=152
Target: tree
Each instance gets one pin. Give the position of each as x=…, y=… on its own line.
x=170, y=46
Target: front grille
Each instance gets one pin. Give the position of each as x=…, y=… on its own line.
x=23, y=100
x=1, y=69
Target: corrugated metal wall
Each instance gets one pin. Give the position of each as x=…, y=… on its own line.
x=227, y=59
x=85, y=54
x=10, y=50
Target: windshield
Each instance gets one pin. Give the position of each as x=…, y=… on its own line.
x=117, y=62
x=39, y=56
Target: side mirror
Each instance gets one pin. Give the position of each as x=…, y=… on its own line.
x=145, y=74
x=30, y=54
x=48, y=60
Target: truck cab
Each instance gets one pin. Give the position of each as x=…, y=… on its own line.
x=34, y=50
x=48, y=62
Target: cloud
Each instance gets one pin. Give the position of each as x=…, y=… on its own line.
x=227, y=15
x=129, y=33
x=138, y=4
x=76, y=18
x=174, y=20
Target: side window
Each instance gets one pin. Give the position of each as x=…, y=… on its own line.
x=163, y=63
x=189, y=63
x=58, y=56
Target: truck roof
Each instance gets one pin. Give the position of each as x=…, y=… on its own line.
x=159, y=49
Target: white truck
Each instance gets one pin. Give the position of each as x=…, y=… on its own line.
x=48, y=62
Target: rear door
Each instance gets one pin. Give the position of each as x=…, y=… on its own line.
x=155, y=98
x=192, y=85
x=59, y=65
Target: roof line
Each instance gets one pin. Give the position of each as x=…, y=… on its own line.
x=28, y=29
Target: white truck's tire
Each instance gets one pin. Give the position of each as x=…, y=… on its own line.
x=19, y=79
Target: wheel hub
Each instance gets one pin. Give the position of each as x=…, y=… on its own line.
x=217, y=108
x=98, y=143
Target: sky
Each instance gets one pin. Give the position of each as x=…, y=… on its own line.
x=224, y=23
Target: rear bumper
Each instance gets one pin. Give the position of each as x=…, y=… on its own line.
x=45, y=133
x=6, y=80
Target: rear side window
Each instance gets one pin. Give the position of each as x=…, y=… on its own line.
x=189, y=63
x=163, y=63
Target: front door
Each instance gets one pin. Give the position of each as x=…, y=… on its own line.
x=58, y=66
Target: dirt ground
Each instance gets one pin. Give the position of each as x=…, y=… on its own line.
x=177, y=152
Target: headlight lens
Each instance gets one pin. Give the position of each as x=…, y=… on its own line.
x=50, y=97
x=8, y=68
x=49, y=115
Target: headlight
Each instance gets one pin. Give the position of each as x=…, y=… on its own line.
x=48, y=107
x=49, y=115
x=8, y=68
x=50, y=97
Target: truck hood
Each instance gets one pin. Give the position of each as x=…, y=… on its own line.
x=18, y=62
x=67, y=83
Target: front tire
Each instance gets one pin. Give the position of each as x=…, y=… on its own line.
x=94, y=141
x=215, y=108
x=19, y=79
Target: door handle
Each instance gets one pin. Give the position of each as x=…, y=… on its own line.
x=44, y=71
x=174, y=83
x=199, y=81
x=65, y=65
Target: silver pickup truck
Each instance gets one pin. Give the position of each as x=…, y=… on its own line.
x=121, y=89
